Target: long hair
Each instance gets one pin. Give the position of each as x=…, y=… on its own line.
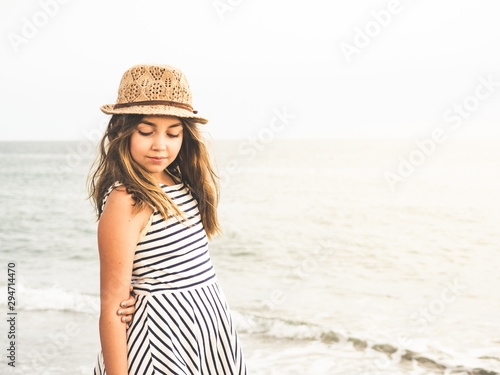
x=192, y=166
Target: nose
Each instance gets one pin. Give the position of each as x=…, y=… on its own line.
x=160, y=143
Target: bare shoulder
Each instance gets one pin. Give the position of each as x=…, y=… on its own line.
x=119, y=199
x=120, y=207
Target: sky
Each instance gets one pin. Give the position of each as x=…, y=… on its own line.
x=318, y=69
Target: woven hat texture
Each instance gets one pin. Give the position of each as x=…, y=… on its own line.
x=154, y=90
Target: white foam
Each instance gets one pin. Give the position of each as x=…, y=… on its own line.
x=56, y=298
x=277, y=328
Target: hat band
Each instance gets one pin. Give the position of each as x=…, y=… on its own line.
x=156, y=102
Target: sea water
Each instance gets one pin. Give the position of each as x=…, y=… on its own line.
x=337, y=256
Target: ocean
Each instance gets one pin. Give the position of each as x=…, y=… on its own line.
x=337, y=256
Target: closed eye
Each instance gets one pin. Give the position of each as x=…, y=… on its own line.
x=173, y=135
x=144, y=133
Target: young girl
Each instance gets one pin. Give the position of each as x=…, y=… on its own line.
x=156, y=196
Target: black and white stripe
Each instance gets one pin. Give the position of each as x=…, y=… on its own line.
x=182, y=324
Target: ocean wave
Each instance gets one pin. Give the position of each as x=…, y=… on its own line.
x=59, y=299
x=294, y=330
x=55, y=298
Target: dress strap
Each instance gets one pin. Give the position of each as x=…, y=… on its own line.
x=106, y=195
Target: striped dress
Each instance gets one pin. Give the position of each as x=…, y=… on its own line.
x=182, y=324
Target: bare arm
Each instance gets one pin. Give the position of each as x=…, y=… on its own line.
x=118, y=231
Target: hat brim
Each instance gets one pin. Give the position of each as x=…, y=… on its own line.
x=156, y=110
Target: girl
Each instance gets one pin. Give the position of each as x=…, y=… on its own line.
x=156, y=198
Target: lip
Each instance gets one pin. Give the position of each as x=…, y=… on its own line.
x=156, y=159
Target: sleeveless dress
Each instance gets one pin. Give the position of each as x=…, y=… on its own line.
x=182, y=324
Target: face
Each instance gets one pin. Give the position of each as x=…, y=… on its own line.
x=155, y=143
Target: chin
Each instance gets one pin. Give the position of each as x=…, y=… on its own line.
x=157, y=170
x=154, y=170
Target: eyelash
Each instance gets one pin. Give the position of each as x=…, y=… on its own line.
x=146, y=134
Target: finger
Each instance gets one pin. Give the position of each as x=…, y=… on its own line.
x=127, y=320
x=129, y=302
x=127, y=311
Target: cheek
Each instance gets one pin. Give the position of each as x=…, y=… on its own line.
x=133, y=144
x=179, y=146
x=175, y=145
x=136, y=146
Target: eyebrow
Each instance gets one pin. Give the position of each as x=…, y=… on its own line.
x=153, y=124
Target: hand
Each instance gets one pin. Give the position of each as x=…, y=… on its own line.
x=127, y=308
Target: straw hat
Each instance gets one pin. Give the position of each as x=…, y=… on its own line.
x=154, y=90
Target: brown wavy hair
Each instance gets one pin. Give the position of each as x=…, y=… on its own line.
x=192, y=166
